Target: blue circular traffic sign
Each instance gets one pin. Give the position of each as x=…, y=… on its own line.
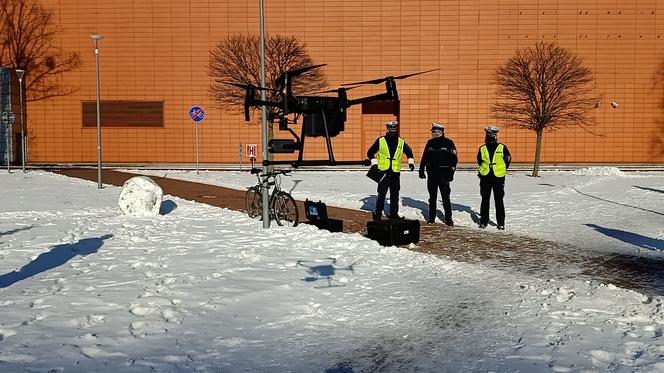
x=196, y=113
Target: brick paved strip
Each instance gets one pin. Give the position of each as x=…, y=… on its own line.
x=354, y=220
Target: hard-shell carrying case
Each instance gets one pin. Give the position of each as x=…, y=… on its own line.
x=394, y=231
x=375, y=174
x=316, y=213
x=332, y=225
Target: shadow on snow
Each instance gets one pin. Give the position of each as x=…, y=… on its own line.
x=167, y=207
x=326, y=272
x=57, y=256
x=7, y=233
x=630, y=238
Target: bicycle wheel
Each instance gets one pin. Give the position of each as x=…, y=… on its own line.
x=284, y=209
x=253, y=202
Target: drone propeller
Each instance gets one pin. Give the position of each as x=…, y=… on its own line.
x=245, y=86
x=381, y=80
x=293, y=73
x=336, y=90
x=302, y=70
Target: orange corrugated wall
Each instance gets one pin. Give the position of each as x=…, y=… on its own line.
x=158, y=50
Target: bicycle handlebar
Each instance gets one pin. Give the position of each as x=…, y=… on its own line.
x=269, y=174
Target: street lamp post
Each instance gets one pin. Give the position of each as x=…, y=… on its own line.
x=96, y=39
x=20, y=73
x=264, y=134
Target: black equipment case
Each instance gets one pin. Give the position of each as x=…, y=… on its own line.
x=375, y=174
x=394, y=231
x=316, y=213
x=332, y=225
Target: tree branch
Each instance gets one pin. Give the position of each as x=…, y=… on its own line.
x=236, y=59
x=26, y=42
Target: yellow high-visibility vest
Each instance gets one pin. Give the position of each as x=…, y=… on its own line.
x=384, y=159
x=498, y=164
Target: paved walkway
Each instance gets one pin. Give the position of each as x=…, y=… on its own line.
x=503, y=250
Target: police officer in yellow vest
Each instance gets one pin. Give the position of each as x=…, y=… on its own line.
x=493, y=159
x=388, y=151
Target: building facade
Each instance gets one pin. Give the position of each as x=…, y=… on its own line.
x=154, y=66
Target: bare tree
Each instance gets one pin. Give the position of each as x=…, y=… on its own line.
x=544, y=87
x=27, y=41
x=236, y=59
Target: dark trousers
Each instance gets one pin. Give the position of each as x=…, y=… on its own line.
x=497, y=185
x=435, y=182
x=391, y=182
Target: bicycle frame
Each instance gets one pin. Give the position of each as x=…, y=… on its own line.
x=275, y=185
x=278, y=200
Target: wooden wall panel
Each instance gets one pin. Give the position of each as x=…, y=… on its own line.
x=123, y=114
x=158, y=51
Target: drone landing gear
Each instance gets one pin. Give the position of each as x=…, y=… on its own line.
x=290, y=146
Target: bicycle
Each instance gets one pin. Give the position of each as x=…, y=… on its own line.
x=283, y=208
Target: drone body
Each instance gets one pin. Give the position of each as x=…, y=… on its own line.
x=321, y=115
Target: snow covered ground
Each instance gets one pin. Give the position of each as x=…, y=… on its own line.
x=84, y=288
x=597, y=208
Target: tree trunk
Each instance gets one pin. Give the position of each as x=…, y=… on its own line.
x=538, y=151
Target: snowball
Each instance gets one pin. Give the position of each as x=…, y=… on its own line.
x=140, y=197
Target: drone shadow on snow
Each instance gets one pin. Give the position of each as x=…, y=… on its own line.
x=323, y=270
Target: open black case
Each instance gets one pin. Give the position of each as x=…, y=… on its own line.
x=316, y=213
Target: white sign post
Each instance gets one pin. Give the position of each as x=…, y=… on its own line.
x=250, y=151
x=196, y=114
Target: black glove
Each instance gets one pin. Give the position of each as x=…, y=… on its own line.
x=366, y=162
x=422, y=175
x=411, y=166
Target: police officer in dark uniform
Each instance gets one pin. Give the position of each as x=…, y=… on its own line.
x=440, y=161
x=388, y=151
x=493, y=159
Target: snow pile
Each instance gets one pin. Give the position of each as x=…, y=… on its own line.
x=599, y=171
x=140, y=197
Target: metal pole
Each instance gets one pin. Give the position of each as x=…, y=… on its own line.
x=266, y=211
x=9, y=134
x=196, y=125
x=20, y=73
x=96, y=39
x=239, y=149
